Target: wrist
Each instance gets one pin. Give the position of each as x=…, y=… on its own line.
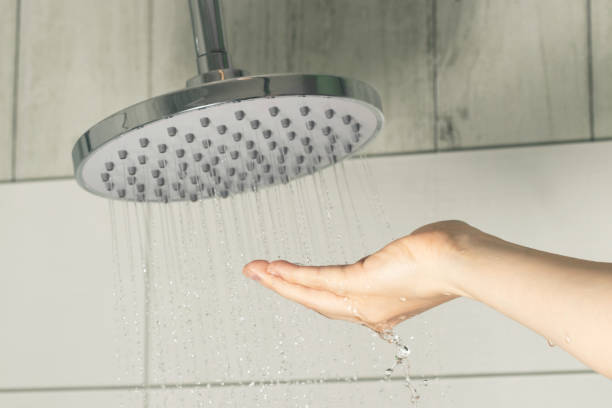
x=452, y=253
x=474, y=254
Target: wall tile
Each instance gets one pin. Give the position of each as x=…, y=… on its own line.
x=72, y=399
x=261, y=337
x=391, y=52
x=8, y=22
x=511, y=72
x=57, y=292
x=56, y=305
x=558, y=391
x=80, y=62
x=601, y=20
x=529, y=392
x=520, y=194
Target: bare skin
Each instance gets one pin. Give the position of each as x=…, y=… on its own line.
x=566, y=300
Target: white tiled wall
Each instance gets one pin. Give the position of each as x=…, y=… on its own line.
x=602, y=65
x=56, y=295
x=71, y=399
x=545, y=391
x=567, y=391
x=56, y=301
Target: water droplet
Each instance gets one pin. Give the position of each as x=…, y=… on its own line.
x=402, y=352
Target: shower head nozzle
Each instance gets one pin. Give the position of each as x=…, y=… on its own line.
x=216, y=139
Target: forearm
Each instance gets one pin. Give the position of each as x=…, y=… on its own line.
x=566, y=300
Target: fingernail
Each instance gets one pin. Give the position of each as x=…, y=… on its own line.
x=252, y=275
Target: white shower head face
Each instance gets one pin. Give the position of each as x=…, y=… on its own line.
x=228, y=148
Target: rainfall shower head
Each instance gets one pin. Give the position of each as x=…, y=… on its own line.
x=225, y=133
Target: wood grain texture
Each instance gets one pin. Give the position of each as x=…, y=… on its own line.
x=601, y=20
x=511, y=72
x=508, y=72
x=173, y=56
x=80, y=61
x=8, y=22
x=383, y=43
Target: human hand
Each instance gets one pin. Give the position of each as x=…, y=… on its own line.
x=406, y=277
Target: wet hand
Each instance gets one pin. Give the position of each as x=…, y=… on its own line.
x=403, y=279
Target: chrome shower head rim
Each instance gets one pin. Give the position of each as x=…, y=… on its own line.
x=215, y=93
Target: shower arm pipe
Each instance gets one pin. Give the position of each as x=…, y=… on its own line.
x=213, y=59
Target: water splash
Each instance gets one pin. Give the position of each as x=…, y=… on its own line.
x=202, y=329
x=402, y=352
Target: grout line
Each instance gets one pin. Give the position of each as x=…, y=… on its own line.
x=487, y=147
x=306, y=381
x=15, y=90
x=36, y=179
x=590, y=84
x=434, y=51
x=386, y=154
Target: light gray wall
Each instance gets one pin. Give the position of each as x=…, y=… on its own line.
x=451, y=74
x=60, y=321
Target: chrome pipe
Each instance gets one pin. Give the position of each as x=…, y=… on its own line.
x=128, y=155
x=206, y=21
x=213, y=60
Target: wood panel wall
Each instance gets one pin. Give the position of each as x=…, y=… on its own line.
x=452, y=74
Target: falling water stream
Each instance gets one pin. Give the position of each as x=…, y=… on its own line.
x=188, y=322
x=402, y=352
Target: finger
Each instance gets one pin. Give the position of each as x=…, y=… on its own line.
x=338, y=279
x=254, y=268
x=321, y=301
